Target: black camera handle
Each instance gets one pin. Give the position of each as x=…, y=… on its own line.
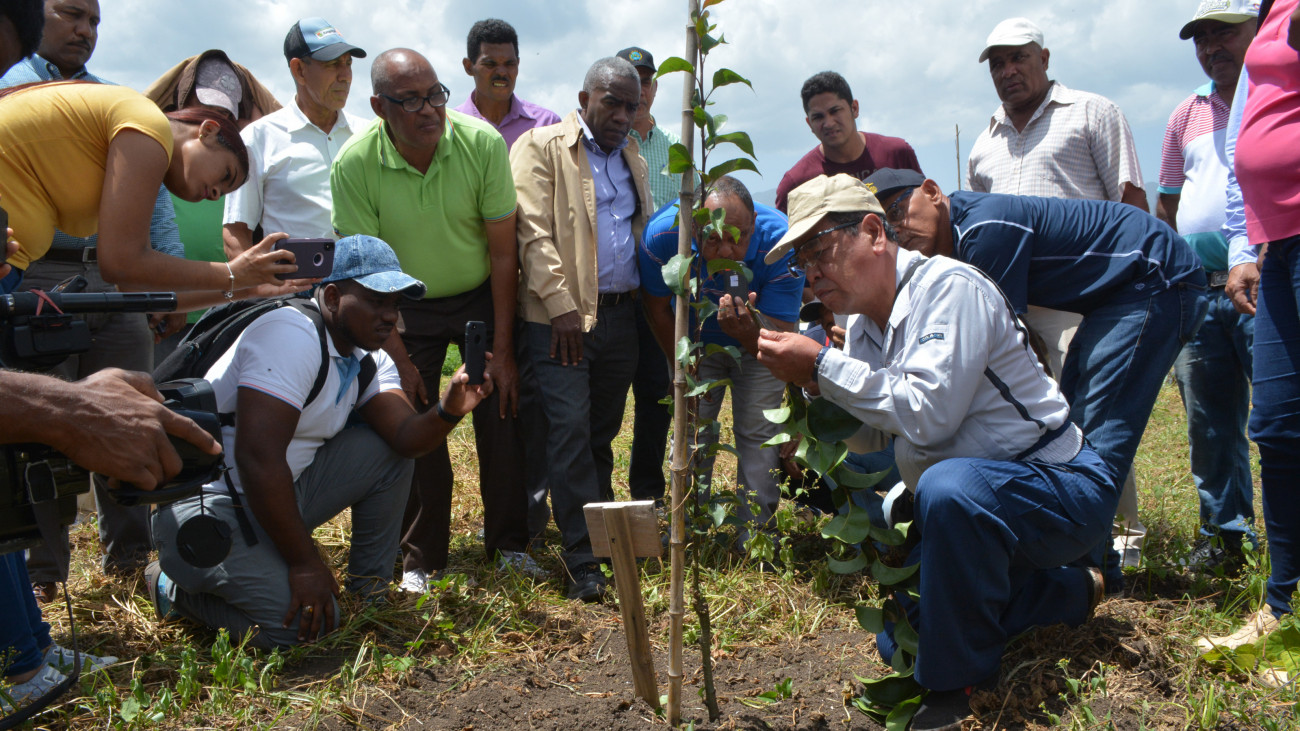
x=30, y=304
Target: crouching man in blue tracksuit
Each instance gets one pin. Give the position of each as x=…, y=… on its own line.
x=1006, y=491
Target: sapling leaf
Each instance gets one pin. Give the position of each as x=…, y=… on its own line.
x=778, y=439
x=848, y=566
x=888, y=575
x=723, y=77
x=676, y=272
x=850, y=526
x=899, y=718
x=778, y=416
x=679, y=160
x=831, y=423
x=872, y=619
x=674, y=64
x=739, y=139
x=857, y=480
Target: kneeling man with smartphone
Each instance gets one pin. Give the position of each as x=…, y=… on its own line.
x=300, y=460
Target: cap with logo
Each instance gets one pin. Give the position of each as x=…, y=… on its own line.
x=887, y=180
x=1227, y=11
x=216, y=84
x=316, y=38
x=370, y=262
x=638, y=57
x=1012, y=32
x=817, y=198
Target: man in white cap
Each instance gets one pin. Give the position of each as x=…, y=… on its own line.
x=1214, y=369
x=1006, y=491
x=1049, y=140
x=290, y=151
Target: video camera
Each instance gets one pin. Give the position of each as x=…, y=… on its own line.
x=37, y=483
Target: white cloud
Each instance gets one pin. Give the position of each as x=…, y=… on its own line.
x=912, y=65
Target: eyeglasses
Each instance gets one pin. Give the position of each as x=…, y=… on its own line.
x=896, y=213
x=807, y=256
x=413, y=104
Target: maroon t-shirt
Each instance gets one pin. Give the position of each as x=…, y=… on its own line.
x=880, y=152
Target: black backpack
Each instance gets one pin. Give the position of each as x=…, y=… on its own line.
x=218, y=328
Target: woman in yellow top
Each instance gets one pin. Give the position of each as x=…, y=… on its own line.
x=88, y=158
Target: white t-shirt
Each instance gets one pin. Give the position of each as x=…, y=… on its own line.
x=288, y=187
x=279, y=355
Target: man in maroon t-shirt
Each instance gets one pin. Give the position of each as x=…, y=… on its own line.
x=831, y=115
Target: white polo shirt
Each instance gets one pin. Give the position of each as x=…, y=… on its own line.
x=951, y=375
x=279, y=355
x=288, y=187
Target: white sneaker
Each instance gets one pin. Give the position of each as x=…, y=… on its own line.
x=1129, y=548
x=60, y=658
x=1257, y=625
x=415, y=581
x=14, y=696
x=519, y=562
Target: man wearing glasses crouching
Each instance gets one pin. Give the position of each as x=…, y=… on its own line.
x=436, y=185
x=1006, y=491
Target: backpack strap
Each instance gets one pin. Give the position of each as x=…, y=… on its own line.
x=367, y=374
x=314, y=315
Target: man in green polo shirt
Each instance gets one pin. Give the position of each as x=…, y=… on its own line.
x=436, y=185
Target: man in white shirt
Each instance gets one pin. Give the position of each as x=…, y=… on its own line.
x=297, y=463
x=1006, y=491
x=290, y=151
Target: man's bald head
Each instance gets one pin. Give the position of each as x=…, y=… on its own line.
x=391, y=64
x=604, y=72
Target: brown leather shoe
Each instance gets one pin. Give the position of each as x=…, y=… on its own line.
x=45, y=591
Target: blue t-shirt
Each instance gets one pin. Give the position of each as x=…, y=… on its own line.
x=780, y=293
x=1066, y=254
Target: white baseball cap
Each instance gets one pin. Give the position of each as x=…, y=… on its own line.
x=1012, y=32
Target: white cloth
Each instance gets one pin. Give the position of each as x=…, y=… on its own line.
x=1076, y=145
x=935, y=376
x=279, y=355
x=288, y=187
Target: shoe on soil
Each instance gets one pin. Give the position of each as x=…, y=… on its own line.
x=1212, y=553
x=45, y=591
x=943, y=710
x=60, y=658
x=1274, y=677
x=1257, y=625
x=587, y=583
x=518, y=562
x=17, y=695
x=1096, y=588
x=415, y=581
x=157, y=584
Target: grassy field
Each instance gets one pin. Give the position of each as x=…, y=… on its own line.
x=487, y=650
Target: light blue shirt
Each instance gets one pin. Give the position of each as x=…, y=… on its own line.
x=615, y=205
x=164, y=236
x=1234, y=228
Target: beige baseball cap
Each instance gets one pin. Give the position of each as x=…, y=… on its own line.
x=812, y=201
x=1227, y=11
x=1012, y=32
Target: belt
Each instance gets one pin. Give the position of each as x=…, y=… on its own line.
x=85, y=255
x=610, y=299
x=1216, y=280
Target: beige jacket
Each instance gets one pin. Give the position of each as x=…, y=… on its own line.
x=556, y=220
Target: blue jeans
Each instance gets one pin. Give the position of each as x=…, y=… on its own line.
x=23, y=633
x=995, y=540
x=583, y=408
x=1275, y=421
x=1213, y=373
x=1112, y=375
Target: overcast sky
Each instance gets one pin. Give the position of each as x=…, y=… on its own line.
x=912, y=65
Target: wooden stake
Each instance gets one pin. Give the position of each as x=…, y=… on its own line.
x=624, y=531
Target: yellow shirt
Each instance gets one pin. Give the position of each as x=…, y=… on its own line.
x=53, y=146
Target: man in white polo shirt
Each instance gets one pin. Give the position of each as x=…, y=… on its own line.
x=290, y=151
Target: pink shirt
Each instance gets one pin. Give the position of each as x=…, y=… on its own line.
x=1268, y=148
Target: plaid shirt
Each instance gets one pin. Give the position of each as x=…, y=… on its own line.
x=664, y=186
x=1077, y=145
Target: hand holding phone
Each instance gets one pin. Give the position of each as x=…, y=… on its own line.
x=475, y=350
x=314, y=257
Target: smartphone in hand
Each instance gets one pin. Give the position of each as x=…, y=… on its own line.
x=738, y=289
x=315, y=257
x=475, y=350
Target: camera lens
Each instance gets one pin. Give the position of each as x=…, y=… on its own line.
x=318, y=259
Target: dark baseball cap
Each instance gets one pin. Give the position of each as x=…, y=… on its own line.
x=316, y=38
x=639, y=57
x=887, y=180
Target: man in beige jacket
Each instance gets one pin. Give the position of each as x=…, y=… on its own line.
x=584, y=197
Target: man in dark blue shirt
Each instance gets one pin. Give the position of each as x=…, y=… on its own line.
x=1139, y=286
x=774, y=291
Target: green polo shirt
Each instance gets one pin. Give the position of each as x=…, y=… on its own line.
x=434, y=221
